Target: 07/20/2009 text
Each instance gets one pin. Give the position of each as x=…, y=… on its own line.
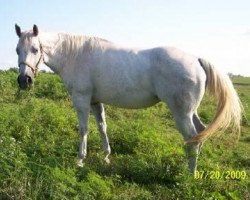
x=216, y=174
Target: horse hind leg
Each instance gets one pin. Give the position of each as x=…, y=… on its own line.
x=199, y=126
x=187, y=121
x=187, y=128
x=198, y=123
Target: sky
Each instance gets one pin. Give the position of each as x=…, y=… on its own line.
x=217, y=30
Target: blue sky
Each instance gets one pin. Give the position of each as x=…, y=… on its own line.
x=216, y=30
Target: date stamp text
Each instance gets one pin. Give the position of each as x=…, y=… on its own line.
x=217, y=174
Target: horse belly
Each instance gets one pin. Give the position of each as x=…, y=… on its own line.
x=132, y=99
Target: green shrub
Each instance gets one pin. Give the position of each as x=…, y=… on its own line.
x=39, y=143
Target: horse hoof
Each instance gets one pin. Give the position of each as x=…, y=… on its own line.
x=80, y=163
x=107, y=160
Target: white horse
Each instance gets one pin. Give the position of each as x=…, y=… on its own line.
x=96, y=71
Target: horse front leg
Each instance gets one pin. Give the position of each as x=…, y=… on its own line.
x=83, y=130
x=82, y=105
x=98, y=111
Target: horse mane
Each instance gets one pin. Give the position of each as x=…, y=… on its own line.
x=73, y=45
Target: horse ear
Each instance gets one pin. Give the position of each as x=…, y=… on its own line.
x=35, y=30
x=18, y=30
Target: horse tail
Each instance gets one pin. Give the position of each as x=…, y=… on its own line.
x=229, y=107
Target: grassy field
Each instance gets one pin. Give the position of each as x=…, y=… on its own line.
x=39, y=143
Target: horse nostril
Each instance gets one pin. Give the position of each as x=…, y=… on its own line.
x=24, y=81
x=29, y=79
x=18, y=80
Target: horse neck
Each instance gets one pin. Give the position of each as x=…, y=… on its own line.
x=53, y=58
x=61, y=50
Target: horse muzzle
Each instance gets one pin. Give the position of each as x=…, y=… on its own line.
x=24, y=81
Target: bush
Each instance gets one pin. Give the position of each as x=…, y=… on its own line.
x=39, y=143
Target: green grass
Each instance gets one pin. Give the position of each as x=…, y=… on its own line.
x=39, y=144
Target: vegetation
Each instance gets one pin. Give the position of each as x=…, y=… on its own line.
x=39, y=144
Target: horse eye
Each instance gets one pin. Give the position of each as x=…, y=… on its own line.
x=34, y=50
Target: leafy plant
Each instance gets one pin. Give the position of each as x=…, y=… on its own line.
x=39, y=144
